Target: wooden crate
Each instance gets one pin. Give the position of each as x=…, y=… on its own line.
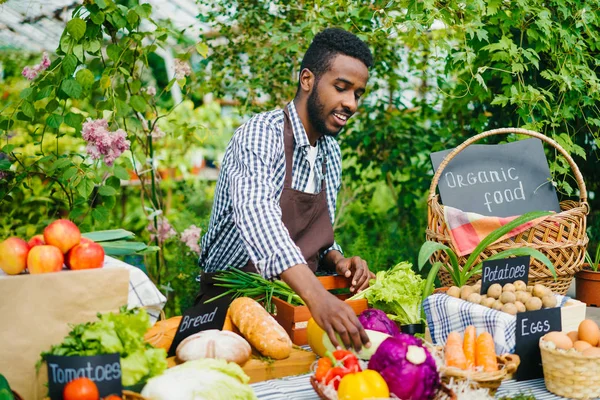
x=295, y=318
x=571, y=315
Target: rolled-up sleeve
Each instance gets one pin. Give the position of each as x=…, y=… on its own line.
x=255, y=198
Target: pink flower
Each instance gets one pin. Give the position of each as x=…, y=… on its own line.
x=32, y=72
x=182, y=69
x=151, y=91
x=3, y=175
x=191, y=237
x=165, y=230
x=103, y=143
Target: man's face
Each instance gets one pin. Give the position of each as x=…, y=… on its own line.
x=334, y=97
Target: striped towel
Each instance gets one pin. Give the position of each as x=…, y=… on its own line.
x=467, y=229
x=447, y=314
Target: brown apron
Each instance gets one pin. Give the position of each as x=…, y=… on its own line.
x=305, y=215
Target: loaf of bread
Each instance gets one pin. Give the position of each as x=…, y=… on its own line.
x=214, y=343
x=260, y=328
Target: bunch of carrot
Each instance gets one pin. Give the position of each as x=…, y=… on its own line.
x=471, y=352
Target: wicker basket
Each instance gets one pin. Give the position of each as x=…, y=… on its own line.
x=561, y=237
x=129, y=395
x=571, y=374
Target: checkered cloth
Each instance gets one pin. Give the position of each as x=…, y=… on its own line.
x=447, y=314
x=142, y=292
x=468, y=229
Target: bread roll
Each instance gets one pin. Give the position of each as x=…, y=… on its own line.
x=260, y=328
x=214, y=343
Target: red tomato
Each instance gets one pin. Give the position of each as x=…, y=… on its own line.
x=113, y=397
x=81, y=389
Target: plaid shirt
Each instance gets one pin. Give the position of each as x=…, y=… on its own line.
x=246, y=217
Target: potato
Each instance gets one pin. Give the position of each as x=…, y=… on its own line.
x=476, y=288
x=529, y=289
x=520, y=306
x=509, y=308
x=478, y=282
x=497, y=305
x=522, y=296
x=465, y=291
x=489, y=302
x=540, y=290
x=474, y=298
x=508, y=297
x=454, y=291
x=494, y=291
x=549, y=301
x=533, y=304
x=520, y=285
x=509, y=287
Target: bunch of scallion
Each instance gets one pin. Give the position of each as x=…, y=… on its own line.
x=253, y=285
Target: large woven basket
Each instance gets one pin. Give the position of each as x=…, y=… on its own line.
x=561, y=237
x=571, y=374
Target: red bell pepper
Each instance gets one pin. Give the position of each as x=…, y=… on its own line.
x=334, y=366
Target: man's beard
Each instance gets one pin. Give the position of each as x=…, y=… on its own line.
x=316, y=113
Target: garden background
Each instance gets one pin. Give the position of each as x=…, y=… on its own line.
x=124, y=121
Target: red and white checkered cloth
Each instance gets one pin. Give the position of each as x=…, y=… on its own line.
x=467, y=229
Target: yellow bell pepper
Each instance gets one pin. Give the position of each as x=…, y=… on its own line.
x=363, y=385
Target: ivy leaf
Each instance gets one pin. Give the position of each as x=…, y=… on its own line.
x=54, y=120
x=121, y=173
x=138, y=103
x=72, y=88
x=28, y=109
x=107, y=191
x=69, y=64
x=73, y=120
x=85, y=78
x=76, y=28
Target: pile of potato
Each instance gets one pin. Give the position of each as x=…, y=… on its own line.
x=510, y=298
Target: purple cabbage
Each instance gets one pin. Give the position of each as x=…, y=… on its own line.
x=406, y=380
x=378, y=320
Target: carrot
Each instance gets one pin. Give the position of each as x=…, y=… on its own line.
x=485, y=353
x=453, y=352
x=469, y=346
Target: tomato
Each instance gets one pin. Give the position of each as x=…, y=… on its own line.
x=113, y=397
x=81, y=389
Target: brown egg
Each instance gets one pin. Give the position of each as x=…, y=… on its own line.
x=573, y=336
x=560, y=340
x=592, y=352
x=581, y=345
x=589, y=331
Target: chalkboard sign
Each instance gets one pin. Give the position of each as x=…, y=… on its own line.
x=503, y=271
x=499, y=180
x=104, y=370
x=201, y=317
x=531, y=326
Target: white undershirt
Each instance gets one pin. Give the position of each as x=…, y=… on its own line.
x=311, y=156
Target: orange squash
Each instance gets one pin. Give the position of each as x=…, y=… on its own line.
x=161, y=335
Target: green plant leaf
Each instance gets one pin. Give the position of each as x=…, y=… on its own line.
x=44, y=92
x=97, y=18
x=69, y=64
x=72, y=88
x=52, y=105
x=101, y=3
x=429, y=248
x=85, y=188
x=498, y=233
x=25, y=93
x=521, y=251
x=54, y=120
x=202, y=49
x=108, y=235
x=430, y=281
x=73, y=120
x=121, y=173
x=143, y=10
x=28, y=109
x=138, y=103
x=107, y=191
x=113, y=51
x=100, y=213
x=76, y=28
x=85, y=78
x=78, y=52
x=122, y=248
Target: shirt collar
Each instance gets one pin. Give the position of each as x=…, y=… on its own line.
x=300, y=135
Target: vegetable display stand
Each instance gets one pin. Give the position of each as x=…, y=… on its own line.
x=561, y=237
x=587, y=287
x=295, y=318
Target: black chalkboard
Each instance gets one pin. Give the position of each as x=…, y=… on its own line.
x=498, y=180
x=503, y=271
x=104, y=370
x=531, y=326
x=201, y=317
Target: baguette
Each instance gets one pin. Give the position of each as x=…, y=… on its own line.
x=260, y=328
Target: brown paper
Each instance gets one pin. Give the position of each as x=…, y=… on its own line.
x=35, y=313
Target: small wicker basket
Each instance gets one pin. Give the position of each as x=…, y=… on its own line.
x=561, y=237
x=571, y=374
x=129, y=395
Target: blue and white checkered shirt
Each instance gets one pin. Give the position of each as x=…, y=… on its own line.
x=246, y=217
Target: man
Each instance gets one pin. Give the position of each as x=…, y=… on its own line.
x=276, y=193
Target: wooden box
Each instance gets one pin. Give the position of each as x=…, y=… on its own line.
x=571, y=314
x=295, y=318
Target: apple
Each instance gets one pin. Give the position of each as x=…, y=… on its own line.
x=63, y=234
x=86, y=240
x=85, y=255
x=13, y=255
x=36, y=240
x=44, y=258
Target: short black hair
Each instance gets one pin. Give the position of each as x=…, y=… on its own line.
x=328, y=44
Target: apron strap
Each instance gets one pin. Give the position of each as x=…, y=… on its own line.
x=288, y=143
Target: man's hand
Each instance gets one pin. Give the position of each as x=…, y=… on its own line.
x=354, y=267
x=329, y=312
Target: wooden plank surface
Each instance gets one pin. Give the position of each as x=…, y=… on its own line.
x=259, y=370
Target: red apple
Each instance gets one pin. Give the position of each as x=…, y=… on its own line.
x=86, y=240
x=44, y=258
x=86, y=255
x=63, y=234
x=36, y=240
x=13, y=255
